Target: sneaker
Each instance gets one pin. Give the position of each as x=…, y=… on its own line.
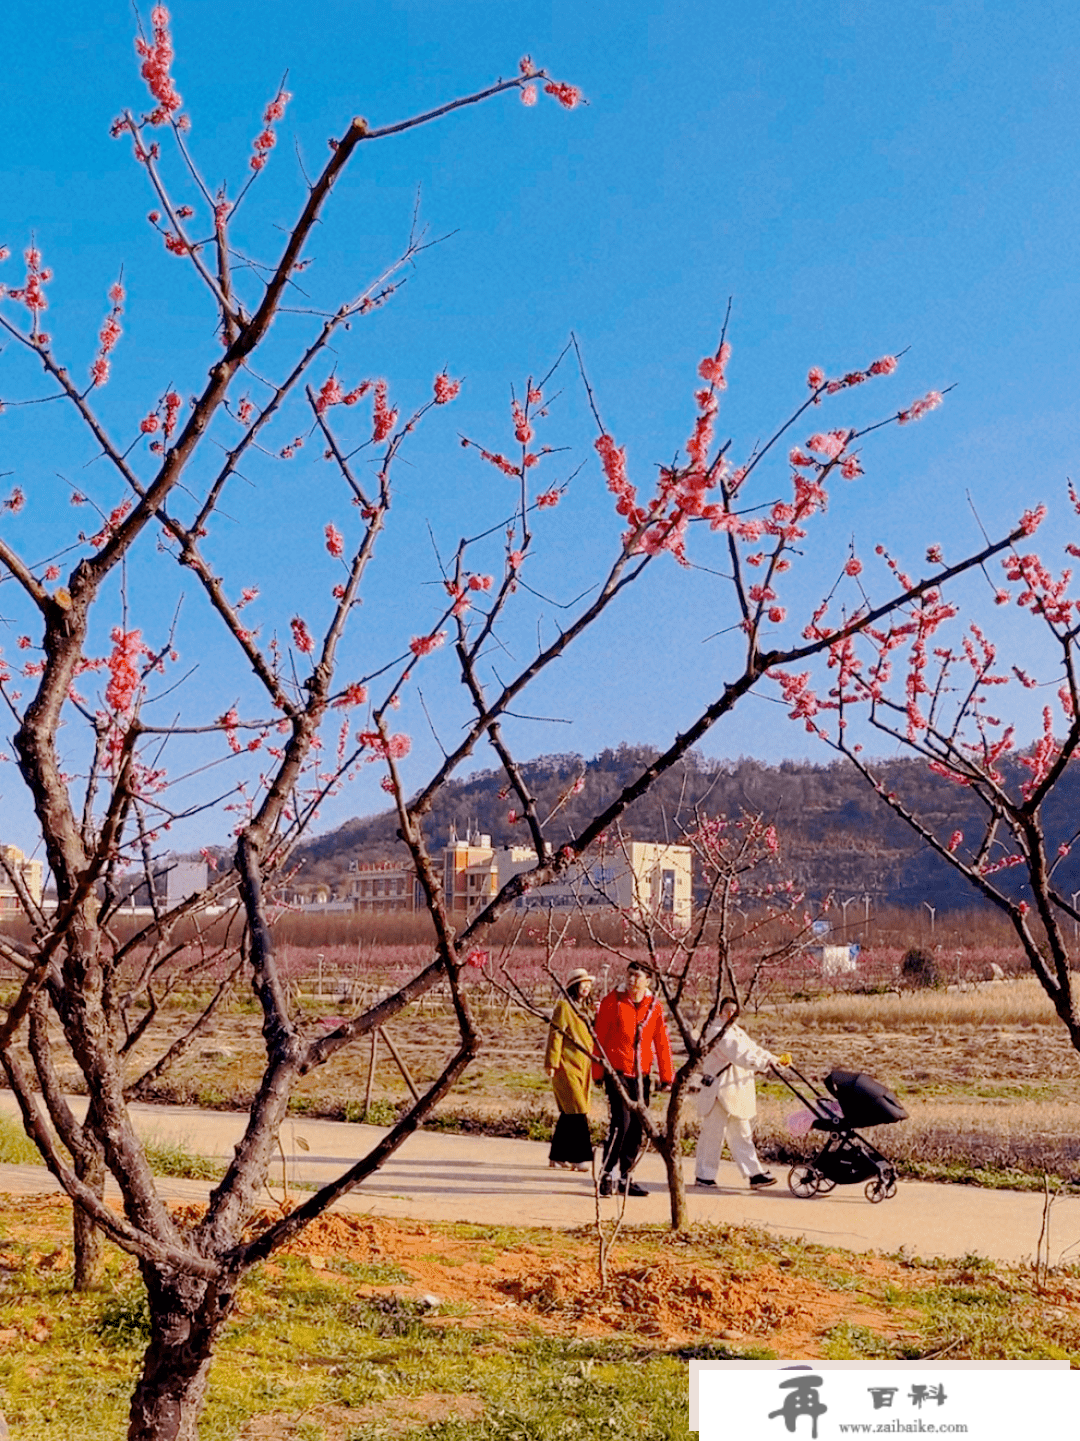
x=701, y=1181
x=605, y=1184
x=631, y=1188
x=762, y=1179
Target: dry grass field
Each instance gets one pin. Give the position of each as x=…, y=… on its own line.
x=988, y=1075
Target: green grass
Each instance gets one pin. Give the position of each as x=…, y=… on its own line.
x=16, y=1148
x=173, y=1158
x=305, y=1343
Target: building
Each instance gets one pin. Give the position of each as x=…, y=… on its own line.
x=28, y=871
x=470, y=874
x=644, y=877
x=377, y=887
x=173, y=881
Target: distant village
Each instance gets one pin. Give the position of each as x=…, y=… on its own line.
x=648, y=877
x=651, y=877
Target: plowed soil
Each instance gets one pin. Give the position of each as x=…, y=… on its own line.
x=555, y=1286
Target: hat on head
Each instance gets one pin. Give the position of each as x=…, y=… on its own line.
x=579, y=974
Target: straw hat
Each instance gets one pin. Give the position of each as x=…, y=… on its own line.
x=580, y=974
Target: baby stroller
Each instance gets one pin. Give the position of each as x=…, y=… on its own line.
x=846, y=1157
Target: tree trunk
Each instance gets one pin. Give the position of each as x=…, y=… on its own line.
x=186, y=1316
x=670, y=1149
x=86, y=1235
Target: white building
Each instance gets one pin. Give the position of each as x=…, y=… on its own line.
x=30, y=874
x=640, y=877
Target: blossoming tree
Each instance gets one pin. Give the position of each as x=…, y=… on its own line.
x=291, y=712
x=940, y=695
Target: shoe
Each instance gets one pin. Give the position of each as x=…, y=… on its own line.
x=605, y=1184
x=701, y=1181
x=581, y=1166
x=631, y=1188
x=761, y=1180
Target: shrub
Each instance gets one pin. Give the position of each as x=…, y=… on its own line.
x=919, y=969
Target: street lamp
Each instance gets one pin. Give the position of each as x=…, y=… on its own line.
x=844, y=905
x=933, y=913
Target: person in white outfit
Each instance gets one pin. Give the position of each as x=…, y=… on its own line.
x=727, y=1101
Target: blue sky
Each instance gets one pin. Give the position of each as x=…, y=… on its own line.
x=859, y=180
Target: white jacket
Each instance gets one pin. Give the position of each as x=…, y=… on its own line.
x=732, y=1064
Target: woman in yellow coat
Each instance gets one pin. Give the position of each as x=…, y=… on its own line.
x=568, y=1061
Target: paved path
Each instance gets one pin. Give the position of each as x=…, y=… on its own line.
x=441, y=1177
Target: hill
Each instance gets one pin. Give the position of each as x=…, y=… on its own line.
x=837, y=836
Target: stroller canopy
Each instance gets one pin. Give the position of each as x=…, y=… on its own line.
x=864, y=1101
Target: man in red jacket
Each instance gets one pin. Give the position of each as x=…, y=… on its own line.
x=630, y=1030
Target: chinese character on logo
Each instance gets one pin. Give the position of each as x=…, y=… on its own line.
x=882, y=1395
x=803, y=1401
x=919, y=1394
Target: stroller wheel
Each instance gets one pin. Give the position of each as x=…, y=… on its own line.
x=825, y=1184
x=803, y=1181
x=880, y=1189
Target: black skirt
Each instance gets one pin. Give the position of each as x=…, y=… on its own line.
x=571, y=1143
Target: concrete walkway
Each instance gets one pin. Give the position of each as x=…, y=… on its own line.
x=489, y=1181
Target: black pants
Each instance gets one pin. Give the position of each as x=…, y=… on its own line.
x=625, y=1129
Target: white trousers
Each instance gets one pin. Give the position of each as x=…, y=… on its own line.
x=716, y=1127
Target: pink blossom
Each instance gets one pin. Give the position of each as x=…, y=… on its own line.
x=276, y=109
x=335, y=543
x=329, y=394
x=885, y=366
x=1032, y=519
x=528, y=95
x=480, y=582
x=522, y=429
x=425, y=644
x=157, y=58
x=568, y=96
x=301, y=636
x=831, y=444
x=384, y=418
x=123, y=669
x=355, y=694
x=815, y=377
x=476, y=957
x=445, y=388
x=500, y=462
x=548, y=498
x=853, y=567
x=955, y=840
x=919, y=408
x=712, y=367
